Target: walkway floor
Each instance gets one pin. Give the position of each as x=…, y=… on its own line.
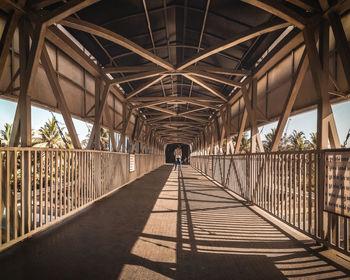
x=144, y=231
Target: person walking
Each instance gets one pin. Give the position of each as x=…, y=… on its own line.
x=178, y=156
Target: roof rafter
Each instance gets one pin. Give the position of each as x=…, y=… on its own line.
x=235, y=40
x=115, y=38
x=278, y=9
x=209, y=88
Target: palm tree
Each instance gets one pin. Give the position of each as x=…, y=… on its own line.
x=49, y=136
x=312, y=143
x=245, y=143
x=104, y=139
x=5, y=135
x=346, y=139
x=297, y=141
x=269, y=137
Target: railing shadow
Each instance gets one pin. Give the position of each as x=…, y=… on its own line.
x=167, y=224
x=96, y=244
x=233, y=242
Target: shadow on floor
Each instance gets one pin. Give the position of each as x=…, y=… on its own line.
x=93, y=245
x=166, y=225
x=224, y=239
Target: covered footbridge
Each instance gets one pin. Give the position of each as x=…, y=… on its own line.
x=152, y=76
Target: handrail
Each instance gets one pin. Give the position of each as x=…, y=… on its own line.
x=39, y=187
x=290, y=185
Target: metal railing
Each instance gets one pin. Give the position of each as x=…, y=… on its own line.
x=288, y=185
x=39, y=187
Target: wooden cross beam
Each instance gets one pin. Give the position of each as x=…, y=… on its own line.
x=288, y=106
x=235, y=40
x=58, y=93
x=115, y=38
x=278, y=9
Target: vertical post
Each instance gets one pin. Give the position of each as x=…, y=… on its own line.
x=97, y=135
x=253, y=126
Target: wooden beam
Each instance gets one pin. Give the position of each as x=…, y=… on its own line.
x=6, y=39
x=203, y=102
x=139, y=76
x=115, y=38
x=148, y=104
x=59, y=39
x=215, y=78
x=318, y=73
x=206, y=86
x=145, y=86
x=191, y=111
x=29, y=61
x=251, y=115
x=241, y=131
x=283, y=48
x=172, y=113
x=129, y=69
x=111, y=129
x=174, y=98
x=10, y=5
x=278, y=9
x=58, y=93
x=292, y=95
x=237, y=39
x=341, y=43
x=98, y=115
x=219, y=70
x=308, y=6
x=133, y=135
x=42, y=4
x=38, y=39
x=65, y=10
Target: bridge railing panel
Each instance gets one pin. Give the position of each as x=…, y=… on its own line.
x=291, y=186
x=40, y=187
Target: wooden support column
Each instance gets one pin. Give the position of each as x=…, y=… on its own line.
x=341, y=43
x=6, y=38
x=288, y=106
x=251, y=109
x=100, y=104
x=319, y=65
x=217, y=135
x=58, y=93
x=111, y=129
x=126, y=117
x=134, y=134
x=228, y=130
x=241, y=131
x=29, y=61
x=98, y=84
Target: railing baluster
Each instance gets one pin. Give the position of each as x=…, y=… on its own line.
x=41, y=191
x=1, y=201
x=22, y=194
x=8, y=190
x=14, y=203
x=29, y=192
x=310, y=193
x=69, y=182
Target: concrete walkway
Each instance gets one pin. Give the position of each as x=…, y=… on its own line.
x=166, y=225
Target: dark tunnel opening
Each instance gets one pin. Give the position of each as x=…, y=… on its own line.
x=169, y=153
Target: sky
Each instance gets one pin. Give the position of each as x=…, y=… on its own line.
x=306, y=122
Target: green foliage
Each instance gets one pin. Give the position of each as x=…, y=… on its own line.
x=5, y=135
x=49, y=136
x=297, y=141
x=245, y=143
x=104, y=139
